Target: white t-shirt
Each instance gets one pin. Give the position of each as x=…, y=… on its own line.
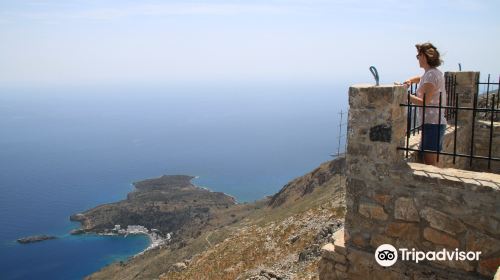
x=435, y=77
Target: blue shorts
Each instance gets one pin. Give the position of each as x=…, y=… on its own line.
x=430, y=137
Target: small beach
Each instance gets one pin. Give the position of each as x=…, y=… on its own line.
x=155, y=239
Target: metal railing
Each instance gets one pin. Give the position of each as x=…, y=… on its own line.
x=451, y=97
x=489, y=97
x=488, y=109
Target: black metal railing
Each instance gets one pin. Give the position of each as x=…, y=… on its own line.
x=451, y=97
x=412, y=112
x=484, y=106
x=489, y=97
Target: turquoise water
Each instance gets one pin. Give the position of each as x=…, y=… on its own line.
x=69, y=257
x=64, y=150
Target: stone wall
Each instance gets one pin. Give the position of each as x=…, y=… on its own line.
x=466, y=90
x=408, y=205
x=482, y=144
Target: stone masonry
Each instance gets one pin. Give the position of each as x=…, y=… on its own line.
x=482, y=144
x=408, y=205
x=466, y=90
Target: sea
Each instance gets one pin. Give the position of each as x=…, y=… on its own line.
x=65, y=149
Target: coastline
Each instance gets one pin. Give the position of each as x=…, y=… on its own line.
x=165, y=208
x=155, y=239
x=210, y=190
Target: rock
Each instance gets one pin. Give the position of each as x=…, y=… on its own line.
x=476, y=241
x=270, y=274
x=405, y=210
x=294, y=238
x=327, y=251
x=440, y=238
x=458, y=265
x=326, y=269
x=77, y=217
x=180, y=266
x=77, y=231
x=379, y=239
x=340, y=267
x=363, y=261
x=305, y=255
x=441, y=221
x=382, y=198
x=258, y=277
x=408, y=231
x=488, y=267
x=497, y=274
x=35, y=238
x=339, y=242
x=359, y=240
x=309, y=253
x=372, y=211
x=485, y=223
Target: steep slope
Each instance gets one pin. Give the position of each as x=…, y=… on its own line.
x=281, y=235
x=281, y=243
x=304, y=185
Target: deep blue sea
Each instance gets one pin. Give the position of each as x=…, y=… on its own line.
x=67, y=149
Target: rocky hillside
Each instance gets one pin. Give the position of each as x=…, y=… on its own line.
x=287, y=248
x=306, y=184
x=485, y=101
x=278, y=237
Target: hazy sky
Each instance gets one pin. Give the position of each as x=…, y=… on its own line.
x=71, y=42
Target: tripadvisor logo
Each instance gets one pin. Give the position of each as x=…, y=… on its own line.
x=387, y=255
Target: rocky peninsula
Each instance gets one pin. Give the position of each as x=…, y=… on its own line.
x=277, y=237
x=164, y=208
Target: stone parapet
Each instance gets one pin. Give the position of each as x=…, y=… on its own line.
x=482, y=145
x=408, y=205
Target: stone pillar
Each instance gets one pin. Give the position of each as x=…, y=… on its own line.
x=466, y=90
x=377, y=125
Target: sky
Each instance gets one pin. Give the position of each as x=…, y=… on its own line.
x=99, y=42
